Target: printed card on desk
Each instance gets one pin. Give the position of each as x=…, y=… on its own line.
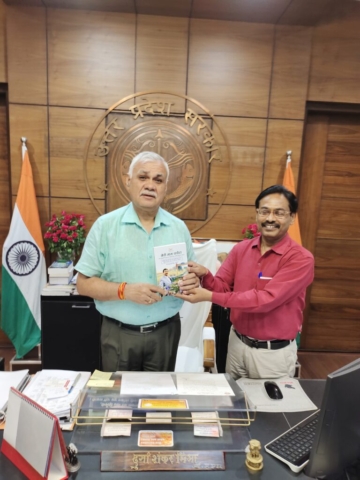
x=171, y=266
x=155, y=438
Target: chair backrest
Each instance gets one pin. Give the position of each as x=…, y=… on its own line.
x=193, y=316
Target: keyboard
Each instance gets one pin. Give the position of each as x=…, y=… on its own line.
x=293, y=447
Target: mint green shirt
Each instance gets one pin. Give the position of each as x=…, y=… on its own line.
x=118, y=249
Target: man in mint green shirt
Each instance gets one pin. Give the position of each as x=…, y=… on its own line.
x=141, y=324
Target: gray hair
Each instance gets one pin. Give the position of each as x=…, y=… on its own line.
x=145, y=157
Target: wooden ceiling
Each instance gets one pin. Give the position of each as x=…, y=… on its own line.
x=286, y=12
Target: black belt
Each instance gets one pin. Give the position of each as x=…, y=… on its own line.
x=144, y=328
x=270, y=345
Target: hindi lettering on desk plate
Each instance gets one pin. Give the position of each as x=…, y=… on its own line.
x=164, y=460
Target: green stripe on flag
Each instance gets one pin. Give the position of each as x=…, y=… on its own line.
x=17, y=320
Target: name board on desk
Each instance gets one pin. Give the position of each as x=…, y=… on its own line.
x=162, y=460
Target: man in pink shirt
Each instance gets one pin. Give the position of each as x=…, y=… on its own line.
x=263, y=281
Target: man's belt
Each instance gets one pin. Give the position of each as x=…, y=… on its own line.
x=144, y=328
x=269, y=345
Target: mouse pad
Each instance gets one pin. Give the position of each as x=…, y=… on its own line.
x=294, y=398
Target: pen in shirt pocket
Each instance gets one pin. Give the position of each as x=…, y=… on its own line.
x=264, y=278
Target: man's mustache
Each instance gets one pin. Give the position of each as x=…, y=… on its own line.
x=274, y=224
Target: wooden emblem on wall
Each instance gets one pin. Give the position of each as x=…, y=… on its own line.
x=185, y=140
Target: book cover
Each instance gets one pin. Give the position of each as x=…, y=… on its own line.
x=171, y=266
x=61, y=269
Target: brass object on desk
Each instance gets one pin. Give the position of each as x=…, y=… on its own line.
x=254, y=460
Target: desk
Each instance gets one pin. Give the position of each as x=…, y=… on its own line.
x=265, y=428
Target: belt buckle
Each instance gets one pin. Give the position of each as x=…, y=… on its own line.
x=148, y=328
x=255, y=343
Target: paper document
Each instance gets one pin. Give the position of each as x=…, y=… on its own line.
x=203, y=384
x=11, y=379
x=294, y=398
x=46, y=383
x=139, y=383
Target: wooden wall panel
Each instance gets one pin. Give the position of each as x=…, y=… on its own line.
x=230, y=66
x=326, y=329
x=227, y=224
x=161, y=56
x=31, y=122
x=282, y=135
x=249, y=132
x=290, y=72
x=335, y=66
x=246, y=137
x=3, y=69
x=70, y=129
x=91, y=57
x=309, y=192
x=338, y=222
x=4, y=178
x=342, y=169
x=245, y=185
x=26, y=55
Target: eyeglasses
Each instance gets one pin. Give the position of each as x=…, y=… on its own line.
x=278, y=212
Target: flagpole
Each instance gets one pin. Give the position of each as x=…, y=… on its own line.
x=23, y=147
x=288, y=157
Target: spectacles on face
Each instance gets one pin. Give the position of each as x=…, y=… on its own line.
x=278, y=213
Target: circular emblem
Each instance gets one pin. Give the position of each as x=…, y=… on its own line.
x=179, y=129
x=22, y=258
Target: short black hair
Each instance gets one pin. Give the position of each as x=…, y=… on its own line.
x=291, y=198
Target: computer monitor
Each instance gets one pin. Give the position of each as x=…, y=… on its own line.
x=337, y=441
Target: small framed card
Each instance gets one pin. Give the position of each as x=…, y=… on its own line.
x=155, y=438
x=166, y=404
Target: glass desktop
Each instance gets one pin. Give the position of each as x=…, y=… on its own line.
x=232, y=411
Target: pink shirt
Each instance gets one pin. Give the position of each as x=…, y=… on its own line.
x=261, y=308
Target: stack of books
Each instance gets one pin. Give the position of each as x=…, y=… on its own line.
x=61, y=279
x=61, y=273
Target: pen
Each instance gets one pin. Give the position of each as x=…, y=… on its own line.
x=263, y=278
x=77, y=378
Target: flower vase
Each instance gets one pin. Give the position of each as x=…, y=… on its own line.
x=65, y=257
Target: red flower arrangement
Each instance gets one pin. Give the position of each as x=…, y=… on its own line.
x=250, y=231
x=65, y=234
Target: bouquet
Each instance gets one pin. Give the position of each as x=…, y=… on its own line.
x=65, y=234
x=250, y=231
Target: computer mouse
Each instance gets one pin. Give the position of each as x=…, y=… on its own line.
x=273, y=390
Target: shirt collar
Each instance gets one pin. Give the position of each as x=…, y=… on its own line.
x=130, y=216
x=279, y=248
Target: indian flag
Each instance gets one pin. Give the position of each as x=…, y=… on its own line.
x=289, y=183
x=23, y=268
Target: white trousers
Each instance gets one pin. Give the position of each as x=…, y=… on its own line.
x=245, y=361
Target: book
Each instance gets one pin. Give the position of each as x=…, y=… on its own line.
x=32, y=440
x=61, y=269
x=15, y=379
x=60, y=280
x=68, y=289
x=171, y=266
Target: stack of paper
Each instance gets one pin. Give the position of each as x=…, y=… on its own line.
x=57, y=390
x=11, y=379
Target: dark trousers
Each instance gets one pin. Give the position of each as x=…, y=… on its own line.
x=129, y=350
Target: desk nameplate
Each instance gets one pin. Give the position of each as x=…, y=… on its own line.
x=169, y=460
